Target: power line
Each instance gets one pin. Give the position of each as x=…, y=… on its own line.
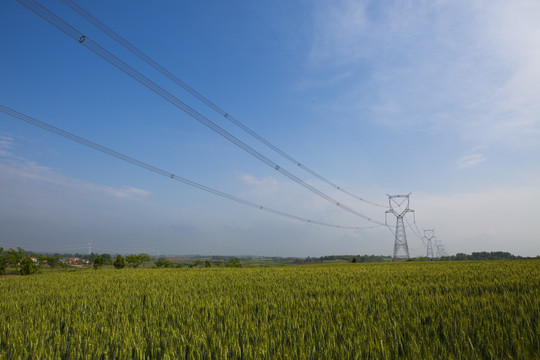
x=121, y=65
x=414, y=230
x=147, y=59
x=51, y=248
x=103, y=149
x=72, y=248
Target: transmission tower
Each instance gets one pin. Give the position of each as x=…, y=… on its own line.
x=440, y=249
x=429, y=235
x=399, y=206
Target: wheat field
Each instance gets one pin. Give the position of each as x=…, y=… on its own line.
x=428, y=310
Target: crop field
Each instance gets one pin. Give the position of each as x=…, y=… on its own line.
x=416, y=310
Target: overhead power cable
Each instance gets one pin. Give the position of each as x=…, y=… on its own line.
x=103, y=149
x=121, y=65
x=416, y=231
x=43, y=248
x=147, y=59
x=125, y=251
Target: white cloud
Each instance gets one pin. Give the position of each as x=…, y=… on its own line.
x=339, y=27
x=6, y=142
x=28, y=170
x=471, y=160
x=264, y=186
x=459, y=67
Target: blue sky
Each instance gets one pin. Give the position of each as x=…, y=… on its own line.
x=440, y=99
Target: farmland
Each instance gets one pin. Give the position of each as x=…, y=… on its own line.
x=488, y=309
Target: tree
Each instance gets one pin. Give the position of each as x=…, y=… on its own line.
x=234, y=262
x=27, y=266
x=163, y=263
x=132, y=260
x=53, y=261
x=461, y=256
x=196, y=263
x=107, y=259
x=2, y=262
x=207, y=264
x=119, y=263
x=143, y=258
x=354, y=260
x=50, y=260
x=136, y=260
x=14, y=257
x=98, y=262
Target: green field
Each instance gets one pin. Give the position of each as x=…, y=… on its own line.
x=416, y=310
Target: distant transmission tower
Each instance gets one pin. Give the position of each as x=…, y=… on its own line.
x=429, y=235
x=399, y=206
x=440, y=249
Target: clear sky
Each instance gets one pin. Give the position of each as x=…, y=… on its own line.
x=440, y=99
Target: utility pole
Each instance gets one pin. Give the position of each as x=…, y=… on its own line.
x=399, y=206
x=429, y=235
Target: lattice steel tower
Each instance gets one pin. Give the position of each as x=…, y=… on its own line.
x=441, y=250
x=399, y=206
x=429, y=235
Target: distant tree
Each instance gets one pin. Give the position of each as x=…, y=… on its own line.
x=354, y=260
x=98, y=262
x=137, y=260
x=2, y=262
x=234, y=262
x=207, y=264
x=27, y=266
x=178, y=266
x=461, y=256
x=107, y=259
x=93, y=256
x=119, y=263
x=52, y=261
x=143, y=258
x=14, y=257
x=132, y=260
x=162, y=262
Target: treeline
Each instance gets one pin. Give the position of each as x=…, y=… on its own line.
x=24, y=263
x=483, y=255
x=357, y=258
x=231, y=262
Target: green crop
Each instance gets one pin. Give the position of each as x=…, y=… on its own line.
x=419, y=310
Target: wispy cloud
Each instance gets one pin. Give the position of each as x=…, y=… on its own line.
x=6, y=144
x=28, y=170
x=459, y=67
x=125, y=192
x=469, y=161
x=338, y=31
x=264, y=187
